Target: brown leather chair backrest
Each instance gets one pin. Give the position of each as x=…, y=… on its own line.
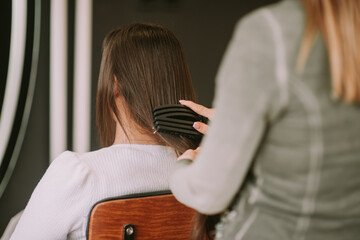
x=140, y=216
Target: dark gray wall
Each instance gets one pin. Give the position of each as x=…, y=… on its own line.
x=204, y=28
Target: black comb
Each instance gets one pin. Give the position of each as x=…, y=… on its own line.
x=177, y=119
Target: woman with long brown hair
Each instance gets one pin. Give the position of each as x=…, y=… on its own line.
x=143, y=66
x=281, y=159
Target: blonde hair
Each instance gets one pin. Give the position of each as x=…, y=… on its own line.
x=339, y=23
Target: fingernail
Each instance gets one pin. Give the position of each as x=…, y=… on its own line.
x=181, y=101
x=196, y=125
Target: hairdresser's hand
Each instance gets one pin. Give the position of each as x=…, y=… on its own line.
x=199, y=109
x=189, y=154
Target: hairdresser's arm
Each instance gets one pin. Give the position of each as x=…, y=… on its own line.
x=245, y=90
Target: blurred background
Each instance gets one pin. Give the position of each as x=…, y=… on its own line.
x=50, y=52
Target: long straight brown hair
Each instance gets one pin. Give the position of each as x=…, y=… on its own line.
x=338, y=21
x=149, y=65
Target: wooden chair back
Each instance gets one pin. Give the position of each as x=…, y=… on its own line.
x=140, y=217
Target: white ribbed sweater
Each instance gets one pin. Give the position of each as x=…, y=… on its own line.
x=59, y=205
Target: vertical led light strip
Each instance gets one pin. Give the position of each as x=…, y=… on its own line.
x=82, y=76
x=58, y=77
x=15, y=69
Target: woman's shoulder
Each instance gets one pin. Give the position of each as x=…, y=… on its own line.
x=67, y=162
x=125, y=151
x=67, y=190
x=118, y=156
x=75, y=165
x=70, y=159
x=67, y=170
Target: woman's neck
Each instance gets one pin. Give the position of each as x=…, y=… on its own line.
x=134, y=136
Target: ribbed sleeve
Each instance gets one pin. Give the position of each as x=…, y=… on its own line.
x=57, y=200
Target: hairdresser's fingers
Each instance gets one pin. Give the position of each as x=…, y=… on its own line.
x=197, y=150
x=201, y=127
x=199, y=109
x=188, y=154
